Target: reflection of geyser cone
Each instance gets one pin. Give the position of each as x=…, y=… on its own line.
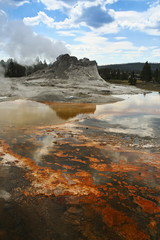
x=70, y=110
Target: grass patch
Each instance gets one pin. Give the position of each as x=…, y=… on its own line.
x=150, y=86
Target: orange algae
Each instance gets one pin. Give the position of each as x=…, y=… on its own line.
x=102, y=167
x=123, y=224
x=75, y=159
x=46, y=181
x=147, y=205
x=91, y=159
x=125, y=167
x=49, y=182
x=84, y=177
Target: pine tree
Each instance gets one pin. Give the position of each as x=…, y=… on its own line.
x=157, y=75
x=132, y=80
x=146, y=73
x=14, y=69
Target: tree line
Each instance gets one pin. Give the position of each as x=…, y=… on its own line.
x=13, y=69
x=130, y=67
x=146, y=74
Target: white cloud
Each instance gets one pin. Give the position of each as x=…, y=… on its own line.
x=142, y=48
x=21, y=3
x=91, y=13
x=70, y=23
x=70, y=4
x=156, y=53
x=66, y=24
x=148, y=21
x=54, y=4
x=97, y=47
x=3, y=17
x=41, y=17
x=111, y=1
x=155, y=3
x=14, y=2
x=120, y=38
x=67, y=33
x=91, y=39
x=110, y=28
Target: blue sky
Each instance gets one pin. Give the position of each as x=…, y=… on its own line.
x=108, y=31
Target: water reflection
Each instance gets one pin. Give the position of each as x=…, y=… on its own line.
x=20, y=113
x=19, y=119
x=46, y=144
x=137, y=114
x=67, y=110
x=4, y=172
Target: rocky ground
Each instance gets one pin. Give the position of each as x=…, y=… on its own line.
x=67, y=80
x=87, y=184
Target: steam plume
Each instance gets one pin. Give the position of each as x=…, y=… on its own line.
x=21, y=43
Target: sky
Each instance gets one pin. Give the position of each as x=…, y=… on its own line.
x=108, y=31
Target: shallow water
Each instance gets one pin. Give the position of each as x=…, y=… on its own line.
x=22, y=113
x=137, y=114
x=80, y=178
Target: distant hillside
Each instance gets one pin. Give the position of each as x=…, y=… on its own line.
x=129, y=67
